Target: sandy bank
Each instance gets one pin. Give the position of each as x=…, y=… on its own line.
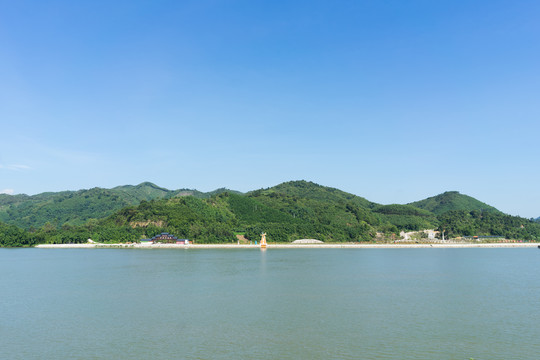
x=289, y=246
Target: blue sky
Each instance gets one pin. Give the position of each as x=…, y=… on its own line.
x=394, y=101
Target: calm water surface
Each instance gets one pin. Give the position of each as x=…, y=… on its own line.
x=276, y=304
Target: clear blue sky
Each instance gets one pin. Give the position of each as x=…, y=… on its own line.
x=394, y=101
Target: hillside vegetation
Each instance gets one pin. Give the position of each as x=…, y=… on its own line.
x=77, y=207
x=286, y=212
x=488, y=223
x=452, y=200
x=407, y=217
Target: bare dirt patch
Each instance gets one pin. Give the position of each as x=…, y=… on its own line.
x=242, y=239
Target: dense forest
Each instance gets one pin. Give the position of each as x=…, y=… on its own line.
x=488, y=223
x=77, y=207
x=452, y=200
x=286, y=212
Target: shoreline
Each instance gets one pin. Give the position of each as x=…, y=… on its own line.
x=289, y=246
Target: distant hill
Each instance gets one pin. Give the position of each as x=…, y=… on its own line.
x=77, y=207
x=206, y=195
x=144, y=191
x=329, y=205
x=324, y=213
x=299, y=209
x=340, y=216
x=148, y=191
x=286, y=212
x=72, y=207
x=310, y=190
x=452, y=200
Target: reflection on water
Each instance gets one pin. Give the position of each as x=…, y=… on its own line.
x=273, y=304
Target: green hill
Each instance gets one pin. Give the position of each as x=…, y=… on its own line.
x=321, y=212
x=144, y=191
x=71, y=207
x=286, y=212
x=325, y=213
x=217, y=192
x=308, y=200
x=452, y=200
x=218, y=218
x=77, y=207
x=317, y=203
x=310, y=190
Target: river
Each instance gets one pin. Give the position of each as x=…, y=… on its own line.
x=273, y=304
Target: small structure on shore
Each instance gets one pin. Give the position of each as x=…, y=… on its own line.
x=165, y=238
x=263, y=241
x=307, y=241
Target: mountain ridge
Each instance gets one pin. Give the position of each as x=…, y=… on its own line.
x=452, y=200
x=77, y=207
x=286, y=212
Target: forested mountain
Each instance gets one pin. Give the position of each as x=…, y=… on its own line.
x=452, y=200
x=283, y=217
x=310, y=190
x=286, y=212
x=327, y=212
x=72, y=207
x=77, y=207
x=144, y=191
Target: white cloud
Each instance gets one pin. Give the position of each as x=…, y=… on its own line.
x=20, y=167
x=15, y=167
x=7, y=191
